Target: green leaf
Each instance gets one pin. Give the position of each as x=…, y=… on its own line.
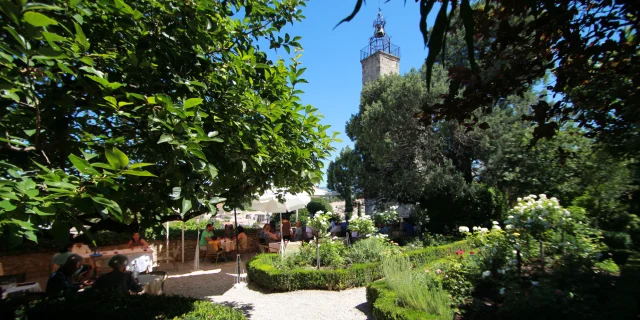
x=66, y=69
x=60, y=184
x=141, y=173
x=40, y=6
x=80, y=37
x=140, y=165
x=116, y=158
x=213, y=171
x=192, y=102
x=99, y=80
x=7, y=206
x=198, y=154
x=186, y=206
x=107, y=203
x=26, y=225
x=353, y=14
x=166, y=137
x=45, y=211
x=435, y=41
x=30, y=235
x=88, y=156
x=102, y=165
x=38, y=19
x=83, y=165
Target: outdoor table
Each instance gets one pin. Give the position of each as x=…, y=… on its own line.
x=34, y=287
x=228, y=245
x=143, y=259
x=151, y=283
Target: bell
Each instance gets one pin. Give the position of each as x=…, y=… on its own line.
x=379, y=32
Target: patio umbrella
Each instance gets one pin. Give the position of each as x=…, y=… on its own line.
x=269, y=202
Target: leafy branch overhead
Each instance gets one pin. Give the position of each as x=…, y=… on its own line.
x=122, y=115
x=589, y=47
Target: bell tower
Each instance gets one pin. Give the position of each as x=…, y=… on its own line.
x=380, y=57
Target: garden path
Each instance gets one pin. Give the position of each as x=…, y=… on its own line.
x=216, y=282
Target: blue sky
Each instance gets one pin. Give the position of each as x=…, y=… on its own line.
x=332, y=57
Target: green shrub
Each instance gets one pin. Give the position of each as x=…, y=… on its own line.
x=112, y=305
x=416, y=288
x=617, y=240
x=372, y=249
x=263, y=271
x=318, y=204
x=429, y=254
x=620, y=256
x=384, y=307
x=608, y=266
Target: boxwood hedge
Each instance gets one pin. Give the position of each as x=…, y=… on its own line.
x=113, y=305
x=260, y=270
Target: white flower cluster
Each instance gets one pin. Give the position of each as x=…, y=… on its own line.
x=538, y=212
x=463, y=229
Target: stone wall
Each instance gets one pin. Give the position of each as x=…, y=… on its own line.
x=39, y=264
x=379, y=64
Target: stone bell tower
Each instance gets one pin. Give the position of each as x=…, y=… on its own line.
x=380, y=57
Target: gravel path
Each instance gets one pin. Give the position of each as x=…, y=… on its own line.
x=216, y=282
x=314, y=304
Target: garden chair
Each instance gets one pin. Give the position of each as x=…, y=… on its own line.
x=212, y=253
x=173, y=256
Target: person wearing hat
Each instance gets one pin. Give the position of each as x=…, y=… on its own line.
x=118, y=279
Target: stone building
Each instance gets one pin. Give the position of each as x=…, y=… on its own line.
x=378, y=59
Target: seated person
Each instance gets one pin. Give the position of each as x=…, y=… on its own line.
x=407, y=228
x=118, y=279
x=216, y=243
x=299, y=232
x=286, y=229
x=80, y=248
x=136, y=241
x=61, y=281
x=242, y=239
x=206, y=236
x=60, y=258
x=267, y=235
x=384, y=229
x=337, y=228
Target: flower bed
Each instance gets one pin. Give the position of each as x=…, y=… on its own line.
x=430, y=254
x=260, y=270
x=383, y=304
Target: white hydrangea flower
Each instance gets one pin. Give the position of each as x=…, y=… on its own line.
x=509, y=226
x=510, y=217
x=486, y=274
x=463, y=229
x=496, y=227
x=495, y=222
x=483, y=230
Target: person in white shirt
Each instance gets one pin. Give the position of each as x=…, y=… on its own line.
x=81, y=248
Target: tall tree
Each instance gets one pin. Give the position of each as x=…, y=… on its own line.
x=92, y=91
x=590, y=47
x=343, y=174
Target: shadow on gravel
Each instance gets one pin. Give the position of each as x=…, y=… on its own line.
x=364, y=308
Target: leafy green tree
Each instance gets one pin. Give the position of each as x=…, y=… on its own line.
x=590, y=47
x=93, y=91
x=318, y=204
x=342, y=176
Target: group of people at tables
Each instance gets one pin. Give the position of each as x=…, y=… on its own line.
x=306, y=233
x=71, y=273
x=300, y=233
x=208, y=238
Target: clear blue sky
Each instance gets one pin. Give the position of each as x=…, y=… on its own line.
x=332, y=57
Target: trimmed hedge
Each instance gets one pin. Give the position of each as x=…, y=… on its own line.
x=262, y=272
x=113, y=305
x=430, y=254
x=384, y=307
